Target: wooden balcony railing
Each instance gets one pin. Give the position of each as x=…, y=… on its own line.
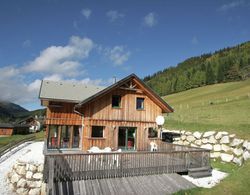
x=169, y=158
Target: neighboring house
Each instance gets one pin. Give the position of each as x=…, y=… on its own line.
x=119, y=116
x=28, y=125
x=6, y=129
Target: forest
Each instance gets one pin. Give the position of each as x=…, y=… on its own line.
x=225, y=65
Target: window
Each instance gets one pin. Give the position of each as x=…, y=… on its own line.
x=152, y=132
x=116, y=101
x=53, y=136
x=65, y=137
x=97, y=131
x=76, y=137
x=139, y=103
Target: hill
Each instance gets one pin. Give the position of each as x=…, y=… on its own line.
x=224, y=106
x=10, y=112
x=228, y=64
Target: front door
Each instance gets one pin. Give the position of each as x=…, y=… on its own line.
x=127, y=138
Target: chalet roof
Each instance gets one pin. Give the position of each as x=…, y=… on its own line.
x=165, y=107
x=6, y=125
x=69, y=91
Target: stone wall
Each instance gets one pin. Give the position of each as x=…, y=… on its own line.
x=223, y=146
x=26, y=178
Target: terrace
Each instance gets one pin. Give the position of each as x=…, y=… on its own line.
x=64, y=166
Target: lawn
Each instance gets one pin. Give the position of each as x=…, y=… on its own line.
x=219, y=107
x=7, y=140
x=216, y=107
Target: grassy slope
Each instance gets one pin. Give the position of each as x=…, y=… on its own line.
x=229, y=111
x=221, y=107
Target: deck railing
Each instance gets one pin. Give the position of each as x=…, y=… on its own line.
x=169, y=158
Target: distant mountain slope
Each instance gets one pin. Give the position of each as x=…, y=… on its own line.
x=229, y=64
x=10, y=112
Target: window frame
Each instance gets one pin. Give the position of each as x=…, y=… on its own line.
x=120, y=100
x=143, y=103
x=152, y=129
x=97, y=126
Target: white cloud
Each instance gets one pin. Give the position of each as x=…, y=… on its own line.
x=86, y=13
x=194, y=40
x=231, y=5
x=62, y=59
x=114, y=15
x=26, y=44
x=118, y=55
x=53, y=77
x=150, y=20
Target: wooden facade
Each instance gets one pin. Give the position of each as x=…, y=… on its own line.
x=98, y=111
x=4, y=131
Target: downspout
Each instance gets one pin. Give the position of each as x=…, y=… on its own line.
x=82, y=115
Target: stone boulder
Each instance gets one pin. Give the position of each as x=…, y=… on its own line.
x=208, y=133
x=188, y=133
x=183, y=137
x=21, y=170
x=207, y=146
x=197, y=134
x=246, y=145
x=226, y=157
x=225, y=148
x=35, y=191
x=204, y=140
x=29, y=175
x=22, y=191
x=21, y=183
x=15, y=178
x=190, y=138
x=238, y=151
x=246, y=155
x=225, y=140
x=38, y=176
x=238, y=161
x=218, y=135
x=212, y=140
x=198, y=142
x=217, y=147
x=236, y=142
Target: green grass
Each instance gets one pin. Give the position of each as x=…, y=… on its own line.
x=7, y=140
x=216, y=107
x=219, y=107
x=237, y=182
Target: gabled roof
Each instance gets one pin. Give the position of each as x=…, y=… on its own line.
x=156, y=98
x=68, y=91
x=6, y=125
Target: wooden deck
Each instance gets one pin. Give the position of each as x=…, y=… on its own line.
x=140, y=185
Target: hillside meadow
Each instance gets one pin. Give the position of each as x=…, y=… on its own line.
x=224, y=106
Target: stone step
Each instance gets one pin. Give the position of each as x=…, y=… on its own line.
x=200, y=174
x=200, y=169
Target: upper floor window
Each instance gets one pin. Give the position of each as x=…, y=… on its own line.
x=97, y=131
x=139, y=103
x=116, y=101
x=152, y=132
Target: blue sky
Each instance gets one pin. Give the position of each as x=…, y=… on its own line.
x=92, y=41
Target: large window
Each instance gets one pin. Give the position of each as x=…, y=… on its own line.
x=76, y=137
x=116, y=101
x=152, y=132
x=63, y=136
x=139, y=103
x=97, y=131
x=53, y=136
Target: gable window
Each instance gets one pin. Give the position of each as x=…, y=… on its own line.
x=97, y=131
x=116, y=101
x=139, y=103
x=152, y=132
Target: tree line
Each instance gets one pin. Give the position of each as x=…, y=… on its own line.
x=225, y=65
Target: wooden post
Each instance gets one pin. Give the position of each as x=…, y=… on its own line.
x=50, y=190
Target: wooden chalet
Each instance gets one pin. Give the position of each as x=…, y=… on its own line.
x=6, y=129
x=119, y=116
